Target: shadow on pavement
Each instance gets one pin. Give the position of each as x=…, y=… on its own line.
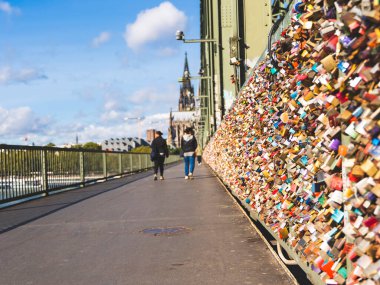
x=29, y=211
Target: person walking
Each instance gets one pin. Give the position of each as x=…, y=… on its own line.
x=158, y=154
x=189, y=145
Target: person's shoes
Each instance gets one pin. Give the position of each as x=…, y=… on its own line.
x=200, y=163
x=191, y=176
x=155, y=177
x=162, y=178
x=186, y=177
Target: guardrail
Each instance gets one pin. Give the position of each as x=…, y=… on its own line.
x=27, y=171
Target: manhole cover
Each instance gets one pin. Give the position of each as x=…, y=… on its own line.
x=165, y=231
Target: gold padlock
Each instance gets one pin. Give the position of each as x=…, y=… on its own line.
x=369, y=168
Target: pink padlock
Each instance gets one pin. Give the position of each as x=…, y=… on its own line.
x=336, y=183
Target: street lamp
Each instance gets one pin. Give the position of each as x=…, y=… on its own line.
x=139, y=120
x=200, y=116
x=180, y=80
x=134, y=118
x=180, y=36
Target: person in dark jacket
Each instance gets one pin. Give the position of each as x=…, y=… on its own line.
x=189, y=145
x=159, y=152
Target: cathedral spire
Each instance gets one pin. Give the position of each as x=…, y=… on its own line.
x=186, y=70
x=186, y=96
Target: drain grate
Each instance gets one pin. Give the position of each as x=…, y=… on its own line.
x=166, y=231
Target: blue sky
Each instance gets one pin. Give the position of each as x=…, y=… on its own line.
x=75, y=67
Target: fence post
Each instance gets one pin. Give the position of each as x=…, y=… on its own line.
x=120, y=163
x=140, y=162
x=105, y=165
x=131, y=161
x=81, y=167
x=45, y=184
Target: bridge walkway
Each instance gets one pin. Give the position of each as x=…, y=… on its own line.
x=95, y=235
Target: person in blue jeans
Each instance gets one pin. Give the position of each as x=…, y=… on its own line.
x=189, y=145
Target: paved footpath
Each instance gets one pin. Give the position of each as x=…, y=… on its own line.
x=95, y=236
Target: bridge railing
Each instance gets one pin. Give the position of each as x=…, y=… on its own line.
x=27, y=171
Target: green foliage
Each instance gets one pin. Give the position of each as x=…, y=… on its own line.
x=50, y=144
x=92, y=145
x=142, y=149
x=76, y=146
x=174, y=150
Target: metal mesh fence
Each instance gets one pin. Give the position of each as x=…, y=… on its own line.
x=27, y=171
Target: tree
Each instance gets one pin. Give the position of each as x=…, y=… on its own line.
x=92, y=145
x=50, y=144
x=141, y=149
x=76, y=146
x=174, y=150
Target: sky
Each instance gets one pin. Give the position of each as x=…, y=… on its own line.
x=79, y=68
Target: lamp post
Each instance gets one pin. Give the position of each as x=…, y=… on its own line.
x=139, y=120
x=180, y=36
x=202, y=119
x=210, y=125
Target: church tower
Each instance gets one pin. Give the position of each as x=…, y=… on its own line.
x=185, y=116
x=186, y=97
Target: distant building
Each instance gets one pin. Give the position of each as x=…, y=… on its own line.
x=150, y=135
x=123, y=144
x=66, y=145
x=178, y=122
x=185, y=117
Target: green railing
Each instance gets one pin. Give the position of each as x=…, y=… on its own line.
x=27, y=171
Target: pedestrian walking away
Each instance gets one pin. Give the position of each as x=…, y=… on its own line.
x=189, y=145
x=159, y=153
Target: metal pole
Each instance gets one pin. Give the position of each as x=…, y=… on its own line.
x=81, y=169
x=105, y=165
x=45, y=184
x=120, y=164
x=196, y=78
x=199, y=41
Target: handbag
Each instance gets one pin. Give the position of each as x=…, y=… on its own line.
x=181, y=153
x=153, y=155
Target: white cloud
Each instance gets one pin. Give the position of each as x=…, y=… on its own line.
x=117, y=105
x=153, y=24
x=9, y=75
x=144, y=96
x=20, y=121
x=101, y=39
x=153, y=96
x=101, y=131
x=114, y=105
x=8, y=9
x=111, y=104
x=167, y=51
x=111, y=115
x=132, y=128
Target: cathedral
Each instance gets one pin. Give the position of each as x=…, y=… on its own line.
x=185, y=116
x=186, y=95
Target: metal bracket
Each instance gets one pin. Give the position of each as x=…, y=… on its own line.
x=281, y=255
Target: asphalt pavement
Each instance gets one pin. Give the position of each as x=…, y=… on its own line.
x=135, y=231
